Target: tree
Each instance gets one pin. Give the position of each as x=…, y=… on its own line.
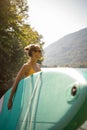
x=15, y=33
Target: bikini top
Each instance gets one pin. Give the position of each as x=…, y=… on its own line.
x=31, y=71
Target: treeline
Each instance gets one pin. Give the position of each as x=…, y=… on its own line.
x=73, y=65
x=15, y=34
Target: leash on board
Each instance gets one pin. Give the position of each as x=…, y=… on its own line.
x=35, y=103
x=30, y=102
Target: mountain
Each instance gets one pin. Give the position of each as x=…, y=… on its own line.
x=69, y=50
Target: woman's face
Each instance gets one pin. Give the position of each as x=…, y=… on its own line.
x=37, y=53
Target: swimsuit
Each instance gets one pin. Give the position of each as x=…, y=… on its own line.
x=31, y=71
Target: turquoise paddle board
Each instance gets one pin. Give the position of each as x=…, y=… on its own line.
x=53, y=99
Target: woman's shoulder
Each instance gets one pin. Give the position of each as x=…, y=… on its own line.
x=26, y=65
x=39, y=66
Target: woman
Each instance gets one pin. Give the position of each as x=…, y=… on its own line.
x=34, y=52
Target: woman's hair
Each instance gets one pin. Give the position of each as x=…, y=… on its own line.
x=30, y=48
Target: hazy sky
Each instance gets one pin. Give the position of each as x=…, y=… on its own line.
x=57, y=18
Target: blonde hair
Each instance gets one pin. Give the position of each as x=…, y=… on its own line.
x=30, y=48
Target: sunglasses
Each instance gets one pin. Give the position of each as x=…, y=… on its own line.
x=38, y=51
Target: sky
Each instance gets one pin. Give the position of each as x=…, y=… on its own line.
x=54, y=19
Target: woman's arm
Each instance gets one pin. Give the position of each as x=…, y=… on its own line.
x=19, y=76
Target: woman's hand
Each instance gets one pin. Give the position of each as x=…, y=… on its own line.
x=9, y=104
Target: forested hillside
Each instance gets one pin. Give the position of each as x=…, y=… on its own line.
x=71, y=50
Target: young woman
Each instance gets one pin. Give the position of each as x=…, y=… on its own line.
x=34, y=53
